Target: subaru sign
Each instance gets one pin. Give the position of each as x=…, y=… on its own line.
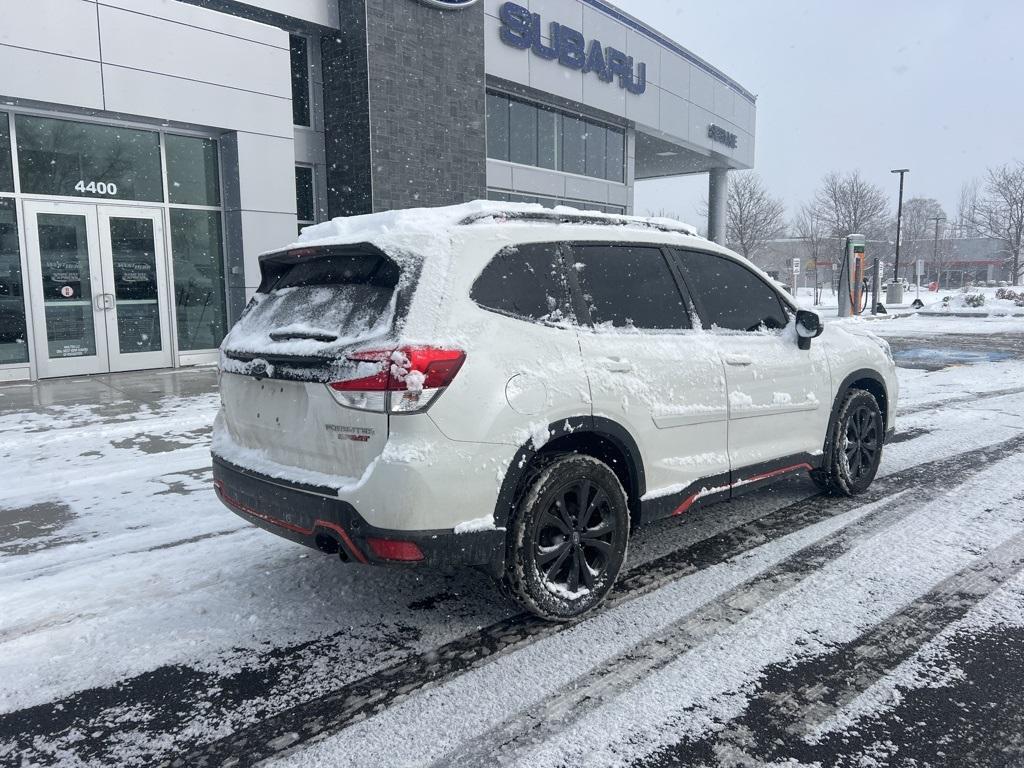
x=522, y=29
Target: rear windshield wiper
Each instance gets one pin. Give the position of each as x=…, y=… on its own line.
x=311, y=335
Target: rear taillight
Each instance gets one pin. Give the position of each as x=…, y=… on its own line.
x=402, y=380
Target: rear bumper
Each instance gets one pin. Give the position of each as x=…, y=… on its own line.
x=306, y=516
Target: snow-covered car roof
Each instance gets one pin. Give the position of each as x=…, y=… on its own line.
x=408, y=228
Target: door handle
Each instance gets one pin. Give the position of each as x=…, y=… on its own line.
x=616, y=365
x=98, y=302
x=739, y=360
x=108, y=301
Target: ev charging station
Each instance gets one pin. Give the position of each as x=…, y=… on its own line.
x=852, y=293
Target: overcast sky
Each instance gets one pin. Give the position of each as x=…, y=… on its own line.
x=937, y=87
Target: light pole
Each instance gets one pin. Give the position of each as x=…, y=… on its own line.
x=899, y=223
x=935, y=252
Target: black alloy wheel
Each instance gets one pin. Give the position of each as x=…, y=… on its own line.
x=863, y=442
x=567, y=538
x=854, y=447
x=574, y=538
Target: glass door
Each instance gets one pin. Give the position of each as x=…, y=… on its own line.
x=134, y=278
x=66, y=289
x=99, y=288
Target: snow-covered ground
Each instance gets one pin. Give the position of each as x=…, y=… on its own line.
x=140, y=621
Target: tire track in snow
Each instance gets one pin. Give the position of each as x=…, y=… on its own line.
x=622, y=671
x=370, y=695
x=938, y=405
x=791, y=701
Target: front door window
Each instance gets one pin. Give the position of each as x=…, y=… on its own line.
x=67, y=285
x=135, y=288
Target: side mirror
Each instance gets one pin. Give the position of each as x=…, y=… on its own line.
x=808, y=326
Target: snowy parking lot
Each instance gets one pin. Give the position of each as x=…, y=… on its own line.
x=143, y=623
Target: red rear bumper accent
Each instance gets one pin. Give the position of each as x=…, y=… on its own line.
x=342, y=533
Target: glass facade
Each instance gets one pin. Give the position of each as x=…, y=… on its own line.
x=305, y=197
x=199, y=297
x=193, y=177
x=300, y=79
x=13, y=341
x=551, y=202
x=6, y=165
x=65, y=157
x=529, y=134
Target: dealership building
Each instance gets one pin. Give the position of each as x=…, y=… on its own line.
x=151, y=149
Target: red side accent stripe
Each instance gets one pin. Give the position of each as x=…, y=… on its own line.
x=687, y=503
x=233, y=502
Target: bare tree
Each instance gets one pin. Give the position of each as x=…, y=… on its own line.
x=849, y=203
x=817, y=246
x=753, y=216
x=999, y=212
x=919, y=215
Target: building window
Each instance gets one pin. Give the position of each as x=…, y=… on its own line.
x=522, y=133
x=6, y=163
x=497, y=126
x=550, y=202
x=300, y=79
x=529, y=134
x=13, y=342
x=199, y=296
x=64, y=157
x=193, y=177
x=305, y=196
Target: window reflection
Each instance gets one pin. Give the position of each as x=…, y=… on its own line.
x=13, y=342
x=198, y=278
x=64, y=157
x=529, y=134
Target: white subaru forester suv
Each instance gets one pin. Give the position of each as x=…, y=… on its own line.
x=516, y=388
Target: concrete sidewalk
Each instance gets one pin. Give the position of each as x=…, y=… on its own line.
x=111, y=394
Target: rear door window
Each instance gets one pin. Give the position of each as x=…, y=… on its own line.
x=729, y=295
x=626, y=286
x=525, y=281
x=314, y=304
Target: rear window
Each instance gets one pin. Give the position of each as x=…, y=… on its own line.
x=313, y=305
x=525, y=281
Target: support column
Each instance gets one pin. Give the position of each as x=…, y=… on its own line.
x=718, y=195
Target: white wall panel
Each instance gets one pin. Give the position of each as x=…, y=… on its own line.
x=537, y=181
x=323, y=12
x=265, y=163
x=675, y=115
x=645, y=109
x=184, y=13
x=502, y=60
x=40, y=76
x=499, y=174
x=645, y=50
x=171, y=98
x=675, y=74
x=67, y=27
x=193, y=53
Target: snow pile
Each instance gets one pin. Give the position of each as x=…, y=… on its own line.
x=485, y=523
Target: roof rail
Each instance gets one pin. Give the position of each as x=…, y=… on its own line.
x=567, y=217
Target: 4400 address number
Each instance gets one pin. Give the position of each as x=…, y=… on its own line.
x=96, y=187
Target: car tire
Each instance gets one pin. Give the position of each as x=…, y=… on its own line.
x=567, y=538
x=854, y=448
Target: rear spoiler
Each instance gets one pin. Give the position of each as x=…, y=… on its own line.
x=275, y=264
